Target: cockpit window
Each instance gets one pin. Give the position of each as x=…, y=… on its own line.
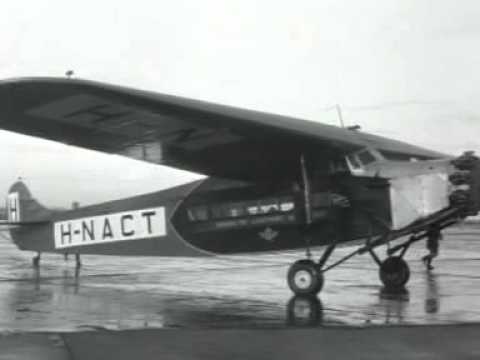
x=366, y=157
x=354, y=162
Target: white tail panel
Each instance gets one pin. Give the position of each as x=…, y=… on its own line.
x=13, y=207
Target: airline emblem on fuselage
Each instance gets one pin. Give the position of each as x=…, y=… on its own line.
x=122, y=226
x=268, y=234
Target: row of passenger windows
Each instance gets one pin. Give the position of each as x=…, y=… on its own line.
x=280, y=205
x=240, y=209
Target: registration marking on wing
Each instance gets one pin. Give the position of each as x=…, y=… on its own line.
x=114, y=227
x=94, y=112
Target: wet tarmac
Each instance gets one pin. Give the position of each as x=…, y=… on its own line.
x=243, y=292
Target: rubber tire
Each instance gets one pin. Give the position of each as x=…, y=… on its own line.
x=316, y=277
x=394, y=273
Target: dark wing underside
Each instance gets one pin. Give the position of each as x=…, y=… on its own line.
x=187, y=134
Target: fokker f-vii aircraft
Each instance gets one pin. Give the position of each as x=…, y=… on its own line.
x=274, y=183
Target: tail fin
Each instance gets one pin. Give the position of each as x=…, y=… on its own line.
x=22, y=207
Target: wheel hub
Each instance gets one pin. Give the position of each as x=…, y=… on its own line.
x=303, y=279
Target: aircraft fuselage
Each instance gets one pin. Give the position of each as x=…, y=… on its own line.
x=215, y=216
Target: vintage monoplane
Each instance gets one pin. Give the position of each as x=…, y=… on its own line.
x=274, y=183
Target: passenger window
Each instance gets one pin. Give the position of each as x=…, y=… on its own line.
x=252, y=209
x=287, y=206
x=268, y=206
x=219, y=211
x=236, y=210
x=240, y=209
x=198, y=213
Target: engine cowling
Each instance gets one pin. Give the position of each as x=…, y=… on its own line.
x=465, y=181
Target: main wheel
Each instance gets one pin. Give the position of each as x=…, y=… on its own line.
x=394, y=273
x=304, y=278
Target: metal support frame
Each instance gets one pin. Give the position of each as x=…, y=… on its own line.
x=307, y=202
x=308, y=214
x=341, y=261
x=404, y=246
x=415, y=238
x=386, y=236
x=375, y=256
x=368, y=247
x=326, y=255
x=443, y=220
x=306, y=191
x=404, y=250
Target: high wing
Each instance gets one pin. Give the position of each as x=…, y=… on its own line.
x=193, y=135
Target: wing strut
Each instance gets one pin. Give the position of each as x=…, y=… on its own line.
x=307, y=202
x=306, y=191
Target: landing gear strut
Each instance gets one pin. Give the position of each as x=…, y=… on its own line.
x=305, y=277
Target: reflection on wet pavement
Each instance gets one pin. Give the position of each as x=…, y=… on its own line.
x=239, y=292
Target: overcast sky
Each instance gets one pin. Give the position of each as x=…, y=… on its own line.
x=406, y=69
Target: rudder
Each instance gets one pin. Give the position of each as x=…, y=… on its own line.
x=22, y=207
